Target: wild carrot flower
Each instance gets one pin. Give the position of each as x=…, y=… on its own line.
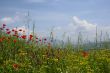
x=4, y=24
x=20, y=29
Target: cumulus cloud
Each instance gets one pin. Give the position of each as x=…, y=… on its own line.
x=14, y=19
x=78, y=25
x=87, y=29
x=82, y=24
x=6, y=20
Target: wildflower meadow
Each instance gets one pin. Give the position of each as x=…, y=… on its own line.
x=32, y=54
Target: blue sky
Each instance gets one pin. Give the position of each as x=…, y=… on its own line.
x=70, y=16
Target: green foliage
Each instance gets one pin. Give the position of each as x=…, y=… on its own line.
x=22, y=57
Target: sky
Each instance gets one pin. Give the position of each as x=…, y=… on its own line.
x=66, y=18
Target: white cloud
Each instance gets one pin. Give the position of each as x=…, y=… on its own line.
x=77, y=25
x=6, y=20
x=87, y=29
x=10, y=20
x=83, y=24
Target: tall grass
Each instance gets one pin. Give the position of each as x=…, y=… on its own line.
x=19, y=55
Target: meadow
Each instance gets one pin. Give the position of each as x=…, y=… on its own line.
x=31, y=54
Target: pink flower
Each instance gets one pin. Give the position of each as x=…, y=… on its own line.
x=13, y=30
x=7, y=29
x=8, y=32
x=45, y=39
x=4, y=24
x=23, y=36
x=20, y=29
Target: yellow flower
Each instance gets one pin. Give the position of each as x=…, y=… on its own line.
x=8, y=61
x=81, y=63
x=22, y=53
x=56, y=60
x=44, y=55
